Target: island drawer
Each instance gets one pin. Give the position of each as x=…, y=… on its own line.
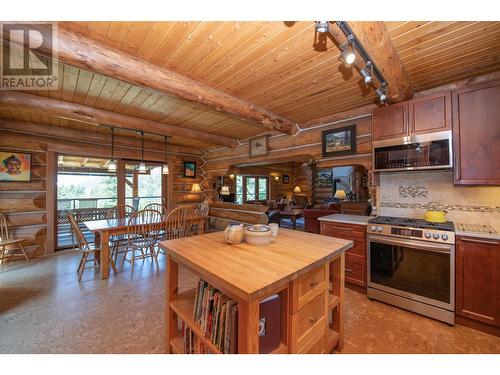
x=309, y=325
x=307, y=287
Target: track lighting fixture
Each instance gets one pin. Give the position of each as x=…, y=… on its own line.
x=348, y=49
x=367, y=72
x=382, y=93
x=322, y=26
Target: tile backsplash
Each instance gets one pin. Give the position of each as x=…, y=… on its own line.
x=409, y=195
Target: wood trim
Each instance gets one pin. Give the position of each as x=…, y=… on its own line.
x=479, y=326
x=80, y=51
x=99, y=116
x=51, y=202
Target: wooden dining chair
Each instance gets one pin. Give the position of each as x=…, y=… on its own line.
x=202, y=210
x=6, y=240
x=120, y=211
x=158, y=207
x=179, y=223
x=143, y=233
x=86, y=249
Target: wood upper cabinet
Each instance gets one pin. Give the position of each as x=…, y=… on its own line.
x=478, y=279
x=390, y=121
x=430, y=113
x=476, y=134
x=417, y=116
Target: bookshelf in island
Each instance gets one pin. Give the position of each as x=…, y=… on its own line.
x=302, y=274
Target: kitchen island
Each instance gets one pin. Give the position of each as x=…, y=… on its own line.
x=306, y=271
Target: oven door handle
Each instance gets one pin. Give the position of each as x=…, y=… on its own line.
x=435, y=247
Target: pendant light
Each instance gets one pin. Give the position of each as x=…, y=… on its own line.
x=112, y=162
x=165, y=166
x=142, y=165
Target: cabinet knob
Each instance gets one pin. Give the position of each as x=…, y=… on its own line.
x=312, y=320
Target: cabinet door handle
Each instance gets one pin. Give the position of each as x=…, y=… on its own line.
x=339, y=228
x=348, y=270
x=481, y=241
x=313, y=284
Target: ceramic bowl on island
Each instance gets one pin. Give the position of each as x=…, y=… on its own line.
x=258, y=234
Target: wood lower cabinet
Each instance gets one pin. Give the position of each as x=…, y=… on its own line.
x=476, y=134
x=355, y=257
x=478, y=279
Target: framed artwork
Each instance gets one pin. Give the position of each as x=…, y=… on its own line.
x=286, y=179
x=259, y=146
x=325, y=178
x=190, y=169
x=340, y=141
x=15, y=166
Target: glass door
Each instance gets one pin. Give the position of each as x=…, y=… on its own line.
x=142, y=189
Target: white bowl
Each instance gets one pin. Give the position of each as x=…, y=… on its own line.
x=258, y=235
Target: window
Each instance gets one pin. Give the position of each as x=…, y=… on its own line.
x=249, y=188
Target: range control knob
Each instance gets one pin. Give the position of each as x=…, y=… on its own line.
x=436, y=236
x=373, y=228
x=444, y=237
x=427, y=235
x=379, y=229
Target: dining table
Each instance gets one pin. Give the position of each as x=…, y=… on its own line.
x=103, y=230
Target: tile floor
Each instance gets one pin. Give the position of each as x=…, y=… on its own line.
x=43, y=309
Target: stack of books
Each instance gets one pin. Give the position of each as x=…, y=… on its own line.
x=217, y=316
x=192, y=345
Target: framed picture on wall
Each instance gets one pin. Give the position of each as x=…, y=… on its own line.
x=15, y=166
x=325, y=178
x=340, y=141
x=286, y=179
x=259, y=146
x=190, y=169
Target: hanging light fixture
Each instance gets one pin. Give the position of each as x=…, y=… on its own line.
x=348, y=55
x=165, y=169
x=112, y=162
x=142, y=165
x=60, y=160
x=382, y=93
x=367, y=72
x=322, y=26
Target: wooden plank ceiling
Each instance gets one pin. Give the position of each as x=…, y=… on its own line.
x=272, y=64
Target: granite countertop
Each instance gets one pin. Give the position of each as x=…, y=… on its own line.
x=348, y=219
x=491, y=236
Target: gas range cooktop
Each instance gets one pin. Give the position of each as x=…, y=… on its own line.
x=412, y=223
x=420, y=229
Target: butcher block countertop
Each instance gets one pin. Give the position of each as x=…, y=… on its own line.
x=347, y=219
x=252, y=271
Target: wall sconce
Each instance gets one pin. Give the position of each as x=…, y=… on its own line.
x=231, y=176
x=276, y=178
x=196, y=188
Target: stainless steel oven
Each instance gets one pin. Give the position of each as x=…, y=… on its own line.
x=414, y=274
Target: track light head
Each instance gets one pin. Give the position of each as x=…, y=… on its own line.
x=382, y=94
x=322, y=26
x=348, y=55
x=367, y=72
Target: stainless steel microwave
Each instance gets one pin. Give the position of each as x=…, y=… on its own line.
x=414, y=152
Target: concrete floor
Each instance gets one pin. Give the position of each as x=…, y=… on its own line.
x=44, y=309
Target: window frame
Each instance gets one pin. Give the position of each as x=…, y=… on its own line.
x=244, y=187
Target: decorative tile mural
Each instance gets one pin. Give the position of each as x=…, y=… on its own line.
x=409, y=191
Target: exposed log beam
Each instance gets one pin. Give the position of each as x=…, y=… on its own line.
x=76, y=50
x=376, y=40
x=99, y=116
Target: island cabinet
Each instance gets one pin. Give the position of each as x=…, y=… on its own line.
x=417, y=116
x=476, y=134
x=478, y=281
x=355, y=258
x=305, y=270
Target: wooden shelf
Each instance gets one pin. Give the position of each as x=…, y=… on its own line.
x=282, y=349
x=183, y=306
x=177, y=345
x=333, y=301
x=333, y=339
